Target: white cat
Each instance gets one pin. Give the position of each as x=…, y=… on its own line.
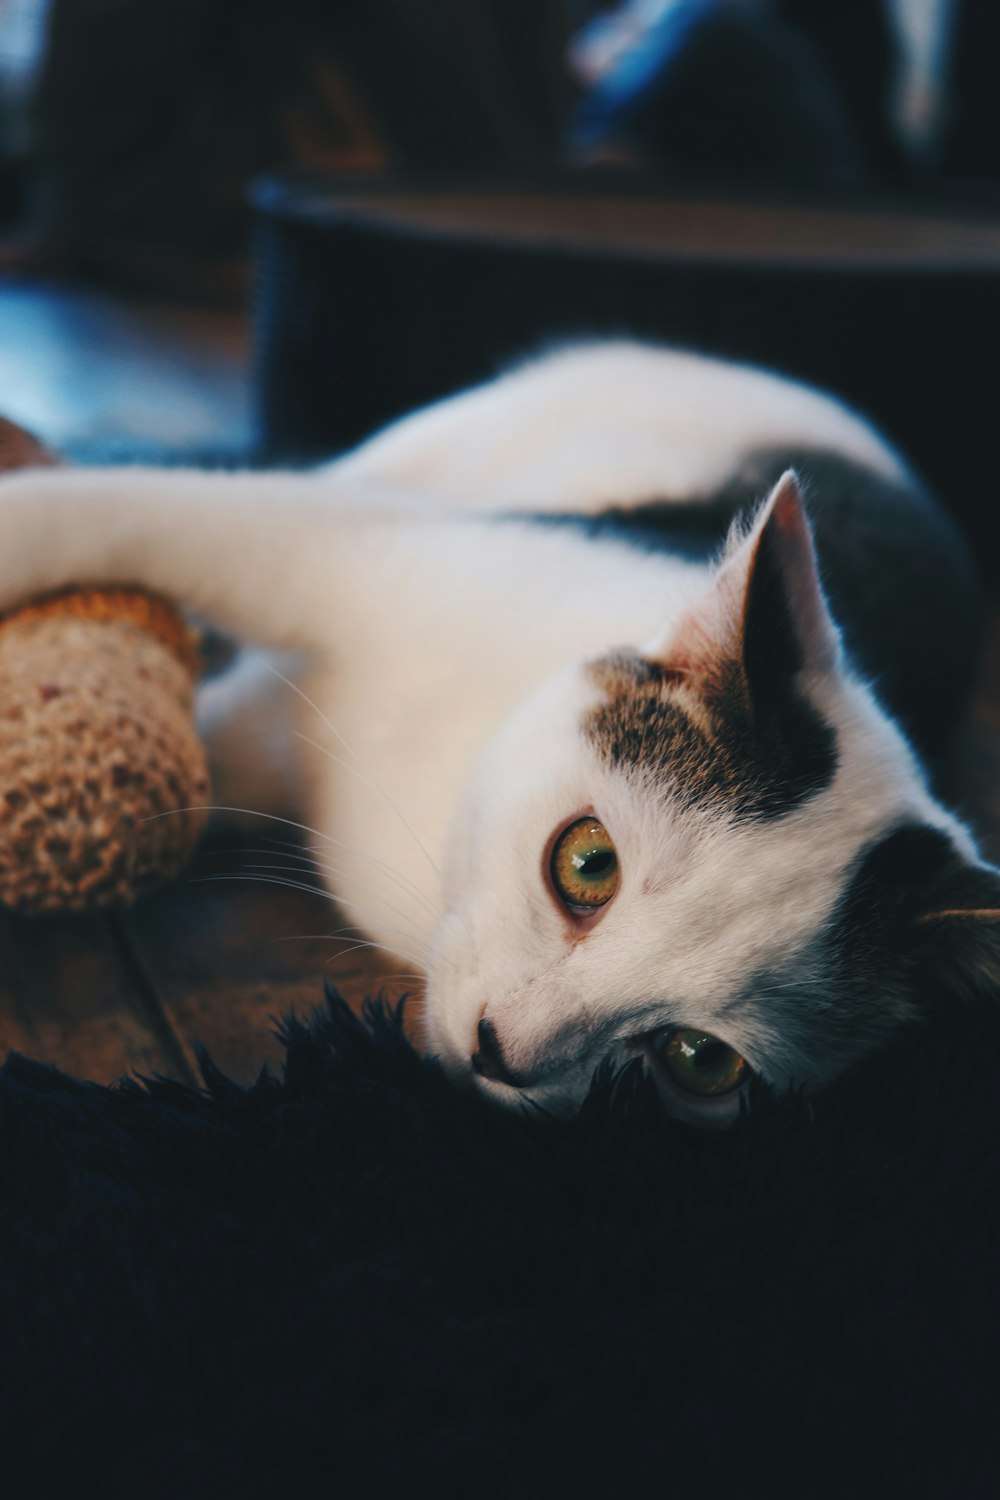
x=627, y=800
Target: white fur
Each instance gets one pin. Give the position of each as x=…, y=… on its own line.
x=608, y=422
x=434, y=713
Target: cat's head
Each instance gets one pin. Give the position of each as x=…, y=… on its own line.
x=715, y=851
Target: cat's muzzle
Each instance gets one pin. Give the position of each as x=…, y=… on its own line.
x=488, y=1059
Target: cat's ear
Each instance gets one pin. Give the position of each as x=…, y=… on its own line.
x=783, y=624
x=958, y=936
x=766, y=611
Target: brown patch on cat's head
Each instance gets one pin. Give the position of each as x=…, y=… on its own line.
x=654, y=717
x=698, y=739
x=720, y=716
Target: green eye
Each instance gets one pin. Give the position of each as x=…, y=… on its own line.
x=585, y=865
x=700, y=1064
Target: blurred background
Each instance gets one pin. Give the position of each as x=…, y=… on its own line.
x=443, y=183
x=130, y=128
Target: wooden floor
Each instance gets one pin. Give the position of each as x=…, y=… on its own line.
x=215, y=958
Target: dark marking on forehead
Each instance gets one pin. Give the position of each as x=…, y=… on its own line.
x=716, y=752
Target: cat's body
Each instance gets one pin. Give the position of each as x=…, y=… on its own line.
x=472, y=673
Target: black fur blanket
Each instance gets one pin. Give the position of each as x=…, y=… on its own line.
x=356, y=1282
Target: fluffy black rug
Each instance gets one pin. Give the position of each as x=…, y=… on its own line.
x=356, y=1282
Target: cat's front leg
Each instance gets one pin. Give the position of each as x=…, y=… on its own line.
x=255, y=553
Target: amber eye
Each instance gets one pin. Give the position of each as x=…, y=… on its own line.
x=585, y=865
x=700, y=1064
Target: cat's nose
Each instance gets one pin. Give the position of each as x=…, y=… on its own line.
x=488, y=1059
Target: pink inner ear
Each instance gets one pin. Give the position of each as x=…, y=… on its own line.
x=785, y=509
x=711, y=635
x=785, y=523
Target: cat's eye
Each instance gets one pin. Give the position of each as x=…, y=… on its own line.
x=584, y=866
x=700, y=1064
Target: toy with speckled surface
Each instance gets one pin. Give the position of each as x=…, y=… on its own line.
x=103, y=779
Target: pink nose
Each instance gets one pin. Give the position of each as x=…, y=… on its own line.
x=488, y=1059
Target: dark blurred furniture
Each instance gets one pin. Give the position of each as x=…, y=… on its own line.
x=151, y=116
x=767, y=93
x=370, y=302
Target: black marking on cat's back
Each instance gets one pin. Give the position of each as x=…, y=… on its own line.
x=894, y=566
x=690, y=529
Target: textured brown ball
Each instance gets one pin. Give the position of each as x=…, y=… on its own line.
x=97, y=743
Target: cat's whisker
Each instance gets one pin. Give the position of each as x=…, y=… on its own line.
x=424, y=961
x=310, y=889
x=301, y=885
x=369, y=780
x=292, y=885
x=247, y=812
x=406, y=886
x=379, y=948
x=355, y=942
x=274, y=818
x=387, y=869
x=418, y=975
x=377, y=787
x=296, y=848
x=366, y=890
x=312, y=854
x=325, y=838
x=357, y=769
x=355, y=933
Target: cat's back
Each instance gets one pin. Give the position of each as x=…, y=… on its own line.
x=661, y=448
x=596, y=423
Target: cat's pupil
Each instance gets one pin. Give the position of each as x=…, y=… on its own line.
x=699, y=1063
x=714, y=1055
x=596, y=864
x=584, y=865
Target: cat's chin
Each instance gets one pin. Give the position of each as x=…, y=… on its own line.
x=551, y=1099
